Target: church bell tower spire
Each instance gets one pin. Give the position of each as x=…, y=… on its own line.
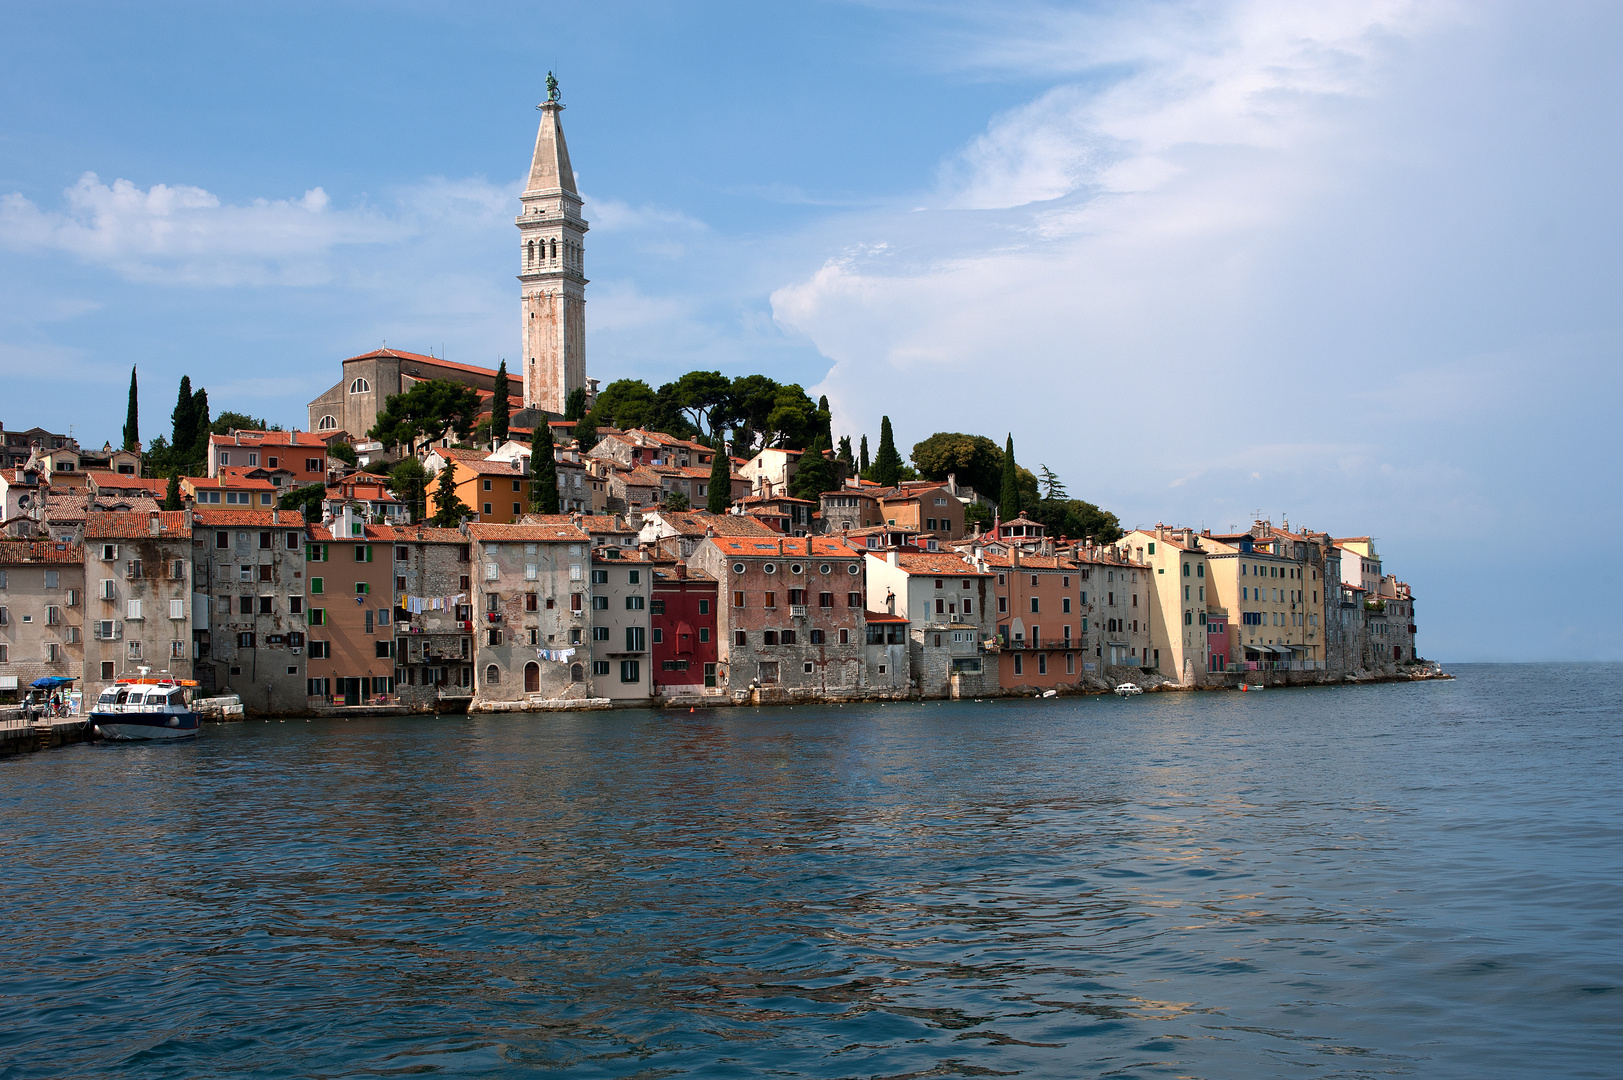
x=552, y=259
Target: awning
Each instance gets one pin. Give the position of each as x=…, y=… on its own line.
x=1262, y=649
x=50, y=682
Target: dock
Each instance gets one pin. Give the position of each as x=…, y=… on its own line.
x=20, y=735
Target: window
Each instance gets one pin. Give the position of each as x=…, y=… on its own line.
x=771, y=600
x=384, y=647
x=359, y=386
x=634, y=603
x=600, y=577
x=969, y=606
x=1065, y=605
x=600, y=603
x=1003, y=605
x=245, y=640
x=817, y=637
x=177, y=609
x=636, y=639
x=1042, y=663
x=134, y=610
x=739, y=638
x=363, y=552
x=107, y=669
x=853, y=600
x=704, y=634
x=600, y=667
x=630, y=671
x=769, y=637
x=845, y=636
x=600, y=633
x=318, y=616
x=1019, y=667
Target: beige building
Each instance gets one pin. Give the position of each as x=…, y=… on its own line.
x=531, y=599
x=622, y=660
x=41, y=612
x=353, y=405
x=138, y=604
x=1265, y=588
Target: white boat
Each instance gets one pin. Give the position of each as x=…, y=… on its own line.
x=134, y=709
x=1128, y=689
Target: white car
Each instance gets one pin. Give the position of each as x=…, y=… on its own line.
x=1128, y=689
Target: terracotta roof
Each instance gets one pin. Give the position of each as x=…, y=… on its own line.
x=480, y=467
x=67, y=509
x=639, y=477
x=431, y=361
x=14, y=552
x=932, y=564
x=304, y=440
x=347, y=489
x=228, y=479
x=284, y=519
x=1031, y=562
x=620, y=554
x=775, y=499
x=696, y=522
x=108, y=479
x=529, y=534
x=662, y=574
x=172, y=524
x=786, y=547
x=883, y=617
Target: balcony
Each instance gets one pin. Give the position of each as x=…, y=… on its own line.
x=797, y=611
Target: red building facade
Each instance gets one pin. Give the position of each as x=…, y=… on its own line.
x=683, y=621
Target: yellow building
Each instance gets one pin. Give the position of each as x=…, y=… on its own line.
x=1265, y=589
x=1178, y=598
x=495, y=490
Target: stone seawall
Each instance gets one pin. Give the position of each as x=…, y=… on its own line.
x=21, y=736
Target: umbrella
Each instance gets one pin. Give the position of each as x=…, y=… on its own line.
x=50, y=682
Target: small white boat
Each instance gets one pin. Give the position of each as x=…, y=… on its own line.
x=133, y=709
x=1128, y=689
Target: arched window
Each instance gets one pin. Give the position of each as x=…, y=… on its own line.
x=360, y=386
x=576, y=672
x=493, y=675
x=529, y=259
x=532, y=677
x=327, y=423
x=555, y=249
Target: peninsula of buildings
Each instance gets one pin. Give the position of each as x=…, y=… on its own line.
x=616, y=592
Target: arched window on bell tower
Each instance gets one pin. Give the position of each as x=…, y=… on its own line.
x=555, y=251
x=530, y=258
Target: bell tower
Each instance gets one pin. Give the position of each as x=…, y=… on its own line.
x=552, y=260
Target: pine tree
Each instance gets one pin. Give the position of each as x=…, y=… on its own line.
x=185, y=424
x=720, y=497
x=448, y=509
x=543, y=474
x=845, y=451
x=1009, y=503
x=171, y=497
x=586, y=433
x=887, y=464
x=132, y=418
x=498, y=405
x=575, y=404
x=862, y=461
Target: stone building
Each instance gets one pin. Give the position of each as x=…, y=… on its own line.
x=530, y=607
x=946, y=601
x=622, y=660
x=42, y=611
x=678, y=533
x=138, y=605
x=249, y=622
x=433, y=619
x=790, y=620
x=350, y=611
x=353, y=405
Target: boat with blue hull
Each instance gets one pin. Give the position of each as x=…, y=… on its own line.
x=138, y=709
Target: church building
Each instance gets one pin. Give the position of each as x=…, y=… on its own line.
x=552, y=308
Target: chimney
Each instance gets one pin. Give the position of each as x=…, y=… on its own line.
x=893, y=557
x=780, y=547
x=273, y=517
x=155, y=523
x=681, y=571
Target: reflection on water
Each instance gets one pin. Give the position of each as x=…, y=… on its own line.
x=1372, y=881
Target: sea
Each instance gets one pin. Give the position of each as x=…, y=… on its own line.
x=1399, y=880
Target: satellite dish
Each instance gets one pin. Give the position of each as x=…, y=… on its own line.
x=22, y=501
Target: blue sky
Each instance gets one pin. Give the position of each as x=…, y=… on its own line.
x=1354, y=263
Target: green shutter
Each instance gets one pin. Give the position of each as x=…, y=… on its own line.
x=315, y=586
x=369, y=553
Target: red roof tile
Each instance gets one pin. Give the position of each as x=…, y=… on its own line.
x=15, y=552
x=172, y=524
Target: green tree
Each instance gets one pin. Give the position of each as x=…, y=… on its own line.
x=977, y=513
x=202, y=430
x=675, y=501
x=543, y=473
x=814, y=474
x=426, y=411
x=586, y=432
x=974, y=459
x=132, y=418
x=230, y=421
x=184, y=421
x=158, y=459
x=887, y=464
x=499, y=412
x=575, y=404
x=624, y=403
x=449, y=510
x=704, y=397
x=825, y=420
x=408, y=480
x=1009, y=500
x=306, y=500
x=171, y=497
x=863, y=464
x=1076, y=519
x=1053, y=489
x=343, y=452
x=719, y=497
x=844, y=456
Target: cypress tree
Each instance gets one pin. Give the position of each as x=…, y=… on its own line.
x=1010, y=499
x=887, y=464
x=200, y=437
x=825, y=420
x=862, y=461
x=543, y=473
x=720, y=496
x=171, y=497
x=845, y=451
x=575, y=404
x=498, y=405
x=185, y=423
x=132, y=418
x=449, y=510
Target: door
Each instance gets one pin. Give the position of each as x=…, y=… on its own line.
x=532, y=678
x=352, y=691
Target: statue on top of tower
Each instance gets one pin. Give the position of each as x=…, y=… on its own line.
x=552, y=87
